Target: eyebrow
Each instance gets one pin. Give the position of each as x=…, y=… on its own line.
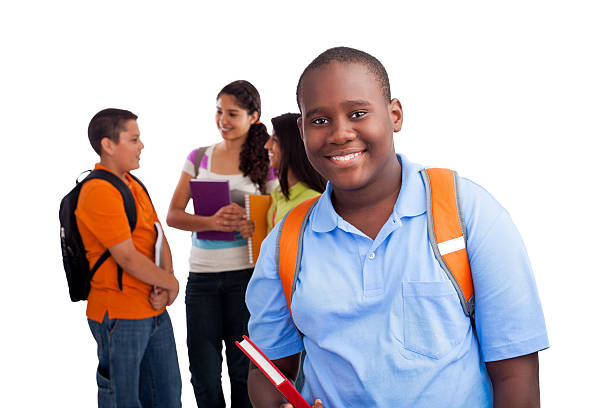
x=351, y=102
x=229, y=110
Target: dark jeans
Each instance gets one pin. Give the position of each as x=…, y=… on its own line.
x=138, y=365
x=216, y=311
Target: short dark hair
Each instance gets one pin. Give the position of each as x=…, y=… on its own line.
x=349, y=55
x=293, y=155
x=107, y=123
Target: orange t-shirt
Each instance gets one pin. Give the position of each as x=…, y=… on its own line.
x=102, y=222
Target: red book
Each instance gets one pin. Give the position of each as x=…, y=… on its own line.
x=208, y=196
x=273, y=373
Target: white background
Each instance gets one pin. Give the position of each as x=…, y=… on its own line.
x=515, y=95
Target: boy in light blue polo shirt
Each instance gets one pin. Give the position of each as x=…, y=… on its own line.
x=381, y=322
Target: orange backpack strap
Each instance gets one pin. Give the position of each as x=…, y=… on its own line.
x=289, y=245
x=447, y=236
x=447, y=233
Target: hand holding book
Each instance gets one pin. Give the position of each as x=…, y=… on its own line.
x=246, y=228
x=229, y=218
x=158, y=298
x=211, y=198
x=276, y=377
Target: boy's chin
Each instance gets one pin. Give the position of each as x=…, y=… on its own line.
x=134, y=167
x=344, y=184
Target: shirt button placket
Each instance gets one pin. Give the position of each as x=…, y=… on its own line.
x=373, y=278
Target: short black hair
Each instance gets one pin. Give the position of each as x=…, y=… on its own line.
x=349, y=55
x=293, y=155
x=107, y=123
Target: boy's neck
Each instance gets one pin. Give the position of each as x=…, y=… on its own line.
x=368, y=208
x=104, y=161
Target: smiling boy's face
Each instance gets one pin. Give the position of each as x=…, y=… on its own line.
x=347, y=125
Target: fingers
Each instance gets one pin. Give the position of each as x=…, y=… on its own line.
x=228, y=226
x=317, y=404
x=158, y=300
x=233, y=209
x=229, y=217
x=229, y=222
x=246, y=228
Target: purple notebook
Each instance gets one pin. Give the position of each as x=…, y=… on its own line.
x=208, y=196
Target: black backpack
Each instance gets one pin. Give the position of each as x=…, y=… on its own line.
x=76, y=264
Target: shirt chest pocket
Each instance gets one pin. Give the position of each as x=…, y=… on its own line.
x=434, y=322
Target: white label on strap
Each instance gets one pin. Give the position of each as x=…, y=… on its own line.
x=451, y=245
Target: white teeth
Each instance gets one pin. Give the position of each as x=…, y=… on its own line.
x=346, y=157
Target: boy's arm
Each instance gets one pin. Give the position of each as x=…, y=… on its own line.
x=166, y=264
x=508, y=315
x=166, y=258
x=262, y=392
x=158, y=297
x=515, y=382
x=139, y=266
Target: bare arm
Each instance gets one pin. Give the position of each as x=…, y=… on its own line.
x=262, y=392
x=166, y=258
x=226, y=219
x=515, y=382
x=139, y=266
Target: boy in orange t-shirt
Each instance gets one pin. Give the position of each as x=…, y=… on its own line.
x=130, y=320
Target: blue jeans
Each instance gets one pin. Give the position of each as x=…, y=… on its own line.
x=137, y=362
x=216, y=312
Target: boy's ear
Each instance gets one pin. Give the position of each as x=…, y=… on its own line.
x=396, y=114
x=107, y=146
x=299, y=125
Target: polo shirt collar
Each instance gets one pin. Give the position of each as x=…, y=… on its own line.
x=410, y=202
x=324, y=217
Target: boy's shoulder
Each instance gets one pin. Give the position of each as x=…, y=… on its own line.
x=478, y=205
x=98, y=192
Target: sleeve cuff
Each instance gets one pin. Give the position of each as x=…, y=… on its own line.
x=512, y=350
x=282, y=351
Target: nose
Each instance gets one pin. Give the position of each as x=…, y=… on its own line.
x=341, y=132
x=268, y=145
x=141, y=145
x=223, y=119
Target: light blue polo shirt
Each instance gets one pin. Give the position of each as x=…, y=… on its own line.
x=382, y=323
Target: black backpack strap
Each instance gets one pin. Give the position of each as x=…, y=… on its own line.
x=99, y=263
x=129, y=205
x=143, y=187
